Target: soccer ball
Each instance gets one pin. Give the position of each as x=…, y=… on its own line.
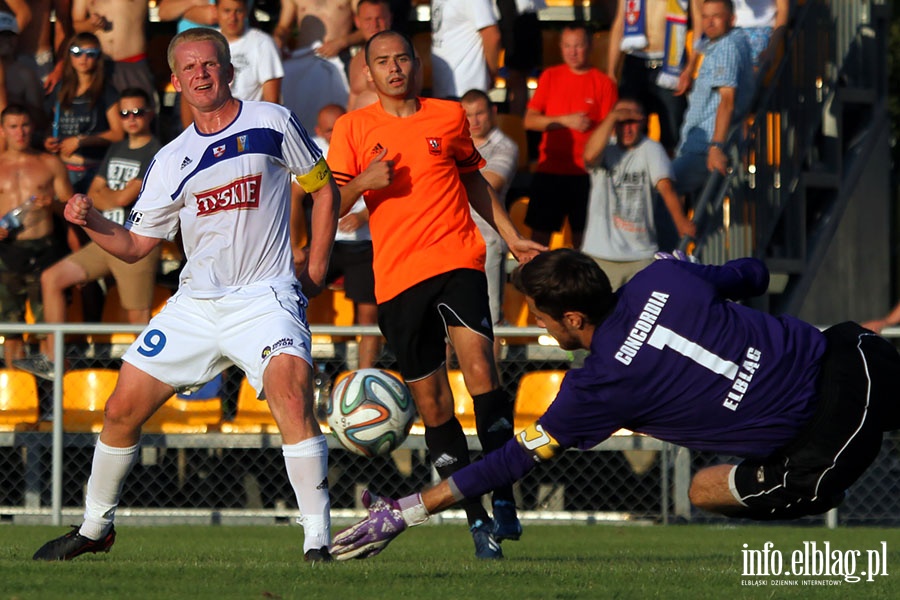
x=370, y=412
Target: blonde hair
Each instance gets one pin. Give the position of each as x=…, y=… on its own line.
x=200, y=34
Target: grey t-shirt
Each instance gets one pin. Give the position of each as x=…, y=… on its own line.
x=620, y=224
x=120, y=165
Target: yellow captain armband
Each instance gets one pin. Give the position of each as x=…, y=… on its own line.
x=538, y=443
x=317, y=177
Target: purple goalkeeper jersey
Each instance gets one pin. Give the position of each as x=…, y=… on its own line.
x=678, y=360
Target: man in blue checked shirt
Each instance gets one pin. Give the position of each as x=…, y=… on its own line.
x=721, y=95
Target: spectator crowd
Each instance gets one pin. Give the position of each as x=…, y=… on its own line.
x=80, y=96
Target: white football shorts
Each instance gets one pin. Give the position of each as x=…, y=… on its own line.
x=193, y=339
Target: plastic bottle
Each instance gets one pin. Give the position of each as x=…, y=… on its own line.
x=12, y=221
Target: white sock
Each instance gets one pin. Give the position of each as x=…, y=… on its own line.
x=307, y=468
x=108, y=471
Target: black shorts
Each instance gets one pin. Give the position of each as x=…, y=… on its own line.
x=858, y=402
x=555, y=197
x=353, y=260
x=414, y=323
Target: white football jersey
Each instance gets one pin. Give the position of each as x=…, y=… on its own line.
x=230, y=194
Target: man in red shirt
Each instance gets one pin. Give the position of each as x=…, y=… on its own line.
x=570, y=101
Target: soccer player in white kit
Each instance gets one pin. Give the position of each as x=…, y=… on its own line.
x=225, y=182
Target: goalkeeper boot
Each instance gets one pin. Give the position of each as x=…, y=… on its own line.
x=318, y=555
x=74, y=544
x=486, y=546
x=506, y=521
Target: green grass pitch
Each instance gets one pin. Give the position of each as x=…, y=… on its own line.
x=561, y=562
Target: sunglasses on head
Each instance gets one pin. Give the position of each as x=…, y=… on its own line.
x=89, y=52
x=134, y=112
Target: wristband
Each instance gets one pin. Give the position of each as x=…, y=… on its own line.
x=412, y=509
x=718, y=145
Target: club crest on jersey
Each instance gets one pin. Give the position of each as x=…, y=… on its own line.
x=218, y=151
x=240, y=194
x=282, y=343
x=632, y=11
x=242, y=143
x=434, y=145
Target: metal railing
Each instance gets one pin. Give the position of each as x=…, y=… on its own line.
x=793, y=141
x=637, y=477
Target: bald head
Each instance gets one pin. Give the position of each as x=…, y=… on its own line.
x=326, y=118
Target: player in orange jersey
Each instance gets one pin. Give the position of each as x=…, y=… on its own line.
x=415, y=164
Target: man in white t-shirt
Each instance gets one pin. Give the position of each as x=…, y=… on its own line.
x=225, y=183
x=256, y=60
x=465, y=47
x=626, y=176
x=502, y=157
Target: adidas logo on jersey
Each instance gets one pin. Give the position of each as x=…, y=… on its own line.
x=378, y=148
x=187, y=160
x=444, y=460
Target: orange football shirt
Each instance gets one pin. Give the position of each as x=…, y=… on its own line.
x=421, y=225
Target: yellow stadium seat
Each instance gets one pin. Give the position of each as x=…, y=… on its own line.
x=536, y=392
x=252, y=416
x=180, y=415
x=463, y=406
x=19, y=403
x=85, y=392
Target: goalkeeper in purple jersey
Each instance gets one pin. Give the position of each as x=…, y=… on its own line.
x=673, y=356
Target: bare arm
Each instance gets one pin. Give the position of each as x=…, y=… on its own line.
x=84, y=20
x=62, y=187
x=22, y=12
x=616, y=31
x=490, y=42
x=717, y=160
x=330, y=48
x=892, y=319
x=537, y=121
x=112, y=237
x=599, y=140
x=779, y=31
x=376, y=176
x=326, y=202
x=105, y=198
x=271, y=91
x=687, y=75
x=676, y=209
x=485, y=202
x=495, y=180
x=169, y=10
x=287, y=20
